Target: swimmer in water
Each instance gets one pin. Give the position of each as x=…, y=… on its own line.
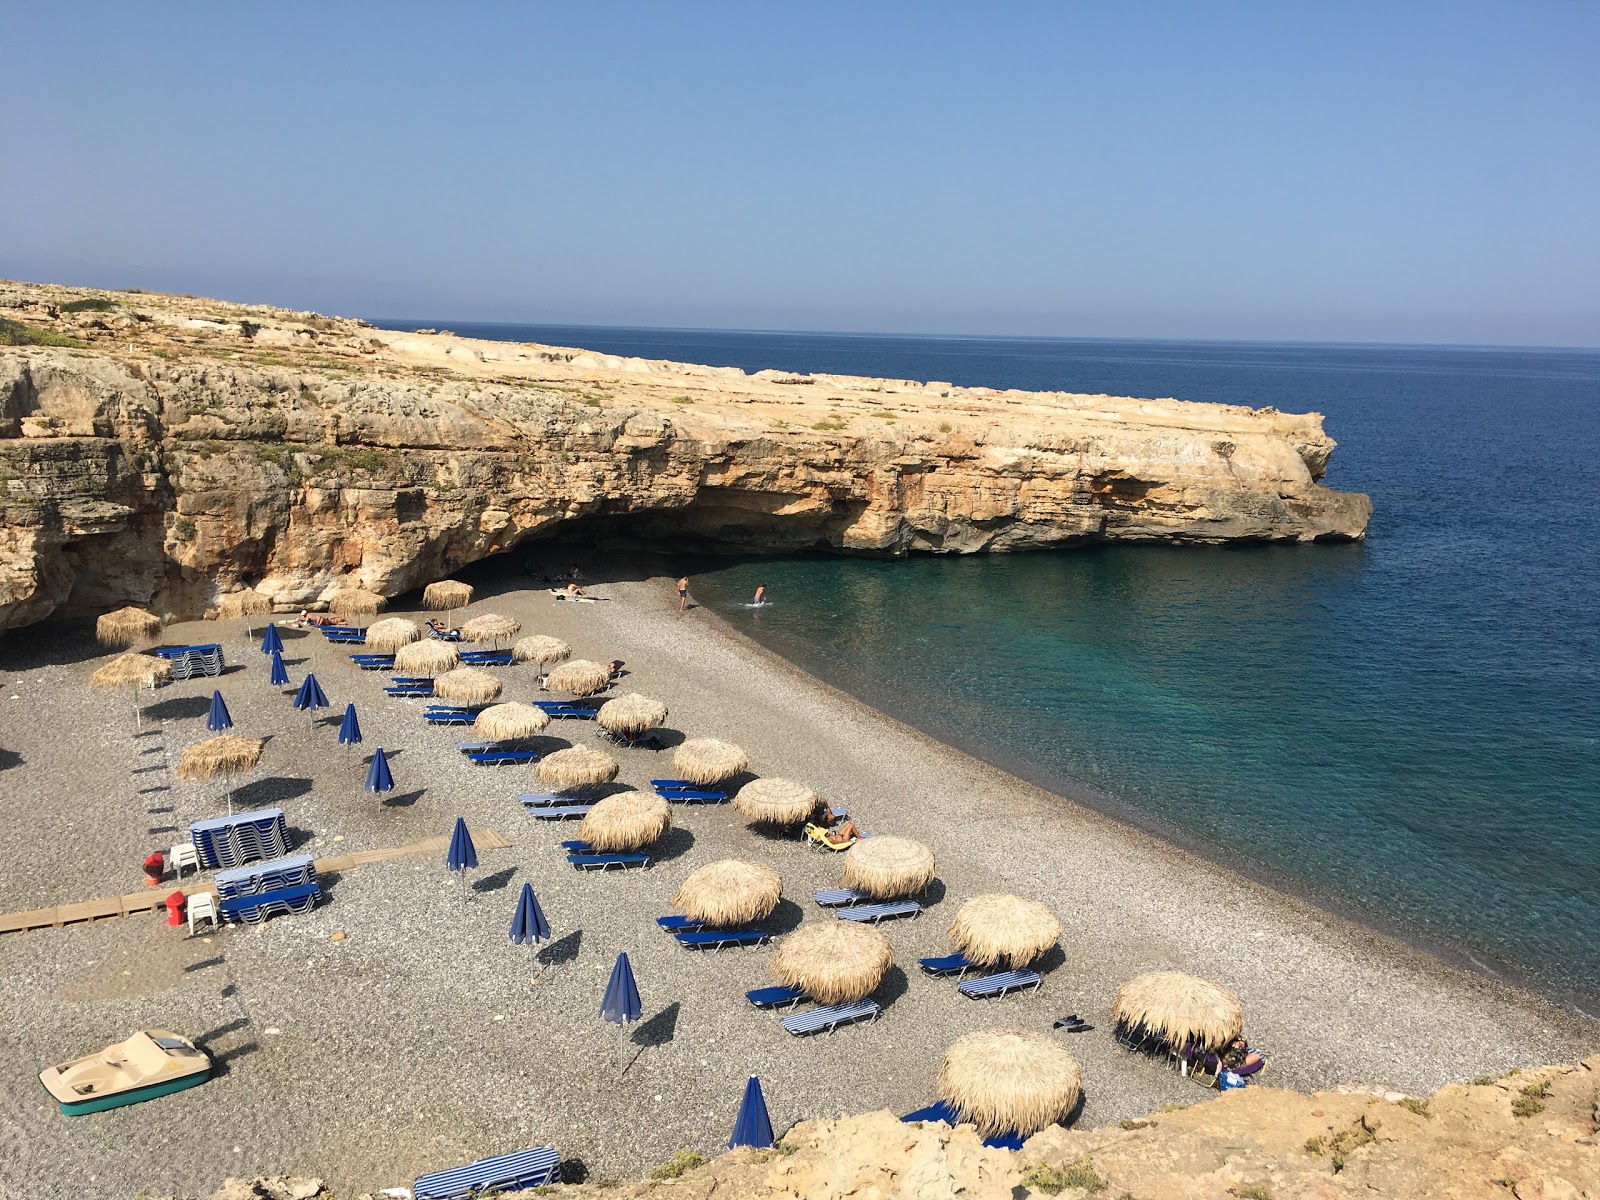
x=761, y=592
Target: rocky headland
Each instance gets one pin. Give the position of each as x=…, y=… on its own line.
x=159, y=449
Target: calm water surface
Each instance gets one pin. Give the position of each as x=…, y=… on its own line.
x=1407, y=727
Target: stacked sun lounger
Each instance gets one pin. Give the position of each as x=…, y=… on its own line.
x=190, y=661
x=252, y=894
x=241, y=838
x=491, y=1176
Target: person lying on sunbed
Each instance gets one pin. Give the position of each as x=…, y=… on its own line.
x=1241, y=1059
x=441, y=630
x=307, y=617
x=841, y=829
x=614, y=667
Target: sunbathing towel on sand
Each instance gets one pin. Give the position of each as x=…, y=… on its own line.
x=562, y=595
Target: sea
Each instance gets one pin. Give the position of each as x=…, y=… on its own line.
x=1405, y=730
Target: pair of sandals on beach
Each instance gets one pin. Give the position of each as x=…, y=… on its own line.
x=1074, y=1024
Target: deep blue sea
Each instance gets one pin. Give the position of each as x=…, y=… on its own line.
x=1406, y=729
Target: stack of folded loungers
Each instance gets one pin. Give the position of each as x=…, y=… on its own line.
x=190, y=661
x=241, y=838
x=251, y=894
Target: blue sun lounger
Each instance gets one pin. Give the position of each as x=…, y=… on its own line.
x=677, y=922
x=486, y=658
x=604, y=862
x=502, y=758
x=408, y=691
x=950, y=964
x=717, y=939
x=544, y=799
x=373, y=662
x=449, y=718
x=505, y=1173
x=831, y=1016
x=559, y=812
x=500, y=744
x=412, y=681
x=943, y=1112
x=998, y=985
x=873, y=913
x=571, y=714
x=577, y=846
x=687, y=797
x=673, y=785
x=777, y=997
x=837, y=896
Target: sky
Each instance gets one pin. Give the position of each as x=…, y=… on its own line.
x=1413, y=172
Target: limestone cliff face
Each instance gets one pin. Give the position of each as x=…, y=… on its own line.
x=176, y=447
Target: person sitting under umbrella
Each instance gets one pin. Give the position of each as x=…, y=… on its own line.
x=841, y=829
x=441, y=630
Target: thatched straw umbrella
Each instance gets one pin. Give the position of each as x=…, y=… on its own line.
x=991, y=929
x=1007, y=1081
x=223, y=756
x=729, y=892
x=833, y=961
x=1180, y=1009
x=126, y=627
x=467, y=685
x=580, y=677
x=426, y=658
x=775, y=801
x=575, y=768
x=631, y=716
x=541, y=651
x=625, y=822
x=511, y=722
x=388, y=635
x=446, y=594
x=888, y=866
x=706, y=761
x=490, y=627
x=356, y=602
x=244, y=603
x=131, y=672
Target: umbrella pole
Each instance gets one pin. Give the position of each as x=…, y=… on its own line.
x=622, y=1047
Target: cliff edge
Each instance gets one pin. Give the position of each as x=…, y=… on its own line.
x=159, y=449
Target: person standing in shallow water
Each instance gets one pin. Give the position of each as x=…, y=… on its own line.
x=683, y=595
x=761, y=593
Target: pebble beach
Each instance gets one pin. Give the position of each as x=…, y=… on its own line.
x=394, y=1030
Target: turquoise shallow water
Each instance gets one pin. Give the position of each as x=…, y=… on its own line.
x=1407, y=727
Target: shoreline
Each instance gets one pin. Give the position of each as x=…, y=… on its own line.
x=1292, y=888
x=1084, y=801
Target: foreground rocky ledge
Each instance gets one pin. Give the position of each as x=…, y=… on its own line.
x=156, y=449
x=1529, y=1135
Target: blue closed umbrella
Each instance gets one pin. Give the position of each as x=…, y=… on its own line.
x=271, y=642
x=463, y=854
x=311, y=696
x=621, y=1003
x=350, y=729
x=219, y=718
x=528, y=926
x=752, y=1127
x=379, y=779
x=280, y=673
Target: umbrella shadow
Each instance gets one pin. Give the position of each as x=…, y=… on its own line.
x=932, y=894
x=387, y=753
x=675, y=843
x=1049, y=960
x=494, y=883
x=261, y=792
x=668, y=738
x=295, y=662
x=658, y=1030
x=573, y=1170
x=786, y=917
x=561, y=951
x=178, y=708
x=893, y=985
x=404, y=799
x=288, y=633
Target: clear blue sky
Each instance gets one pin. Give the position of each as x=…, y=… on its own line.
x=1323, y=171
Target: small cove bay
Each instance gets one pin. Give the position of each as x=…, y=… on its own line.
x=1406, y=729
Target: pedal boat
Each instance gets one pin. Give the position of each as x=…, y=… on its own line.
x=151, y=1063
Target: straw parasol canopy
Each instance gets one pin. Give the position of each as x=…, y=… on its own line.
x=467, y=685
x=126, y=626
x=706, y=760
x=244, y=603
x=580, y=677
x=775, y=801
x=729, y=892
x=833, y=961
x=991, y=929
x=888, y=866
x=576, y=767
x=490, y=627
x=507, y=722
x=1180, y=1009
x=1007, y=1081
x=131, y=671
x=541, y=650
x=388, y=635
x=356, y=602
x=631, y=715
x=226, y=754
x=446, y=594
x=625, y=821
x=426, y=658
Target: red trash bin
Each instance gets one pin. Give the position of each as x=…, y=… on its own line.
x=175, y=904
x=154, y=868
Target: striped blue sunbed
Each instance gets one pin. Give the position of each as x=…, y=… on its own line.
x=504, y=1173
x=873, y=913
x=998, y=985
x=717, y=939
x=544, y=799
x=831, y=1016
x=560, y=812
x=837, y=896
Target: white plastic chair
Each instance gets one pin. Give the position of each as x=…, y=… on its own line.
x=184, y=855
x=202, y=904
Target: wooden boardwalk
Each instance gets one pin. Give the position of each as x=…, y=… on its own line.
x=87, y=912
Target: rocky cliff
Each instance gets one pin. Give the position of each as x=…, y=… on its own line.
x=1530, y=1135
x=159, y=449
